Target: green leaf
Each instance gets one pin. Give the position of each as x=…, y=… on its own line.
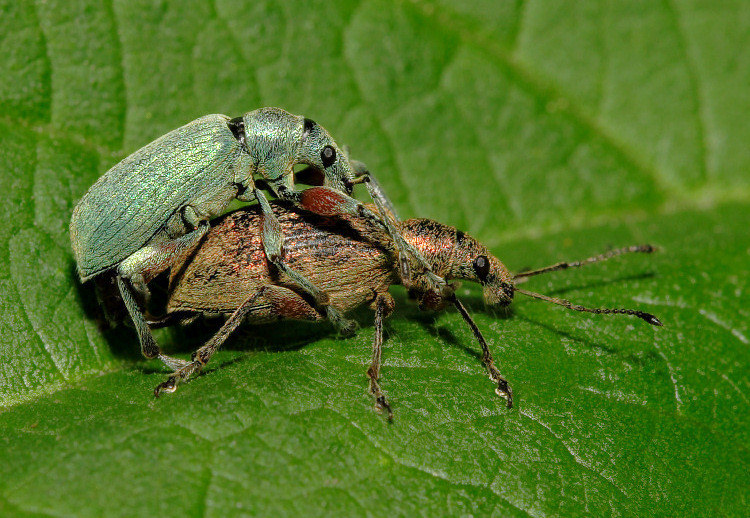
x=548, y=131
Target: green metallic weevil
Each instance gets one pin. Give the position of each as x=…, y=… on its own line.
x=353, y=262
x=154, y=206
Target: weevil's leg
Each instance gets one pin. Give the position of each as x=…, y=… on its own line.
x=503, y=389
x=277, y=301
x=273, y=247
x=386, y=209
x=383, y=306
x=149, y=348
x=326, y=201
x=202, y=356
x=146, y=338
x=363, y=175
x=412, y=264
x=137, y=270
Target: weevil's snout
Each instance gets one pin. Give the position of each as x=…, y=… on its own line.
x=496, y=280
x=499, y=293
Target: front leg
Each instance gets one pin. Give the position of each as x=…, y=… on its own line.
x=414, y=270
x=363, y=175
x=503, y=388
x=272, y=239
x=383, y=307
x=413, y=266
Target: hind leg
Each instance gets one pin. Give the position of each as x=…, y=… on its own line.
x=270, y=300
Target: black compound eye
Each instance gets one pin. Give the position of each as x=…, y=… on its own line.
x=482, y=267
x=328, y=156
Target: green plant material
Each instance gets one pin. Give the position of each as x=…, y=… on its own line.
x=548, y=132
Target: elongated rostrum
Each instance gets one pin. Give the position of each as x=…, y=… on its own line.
x=354, y=262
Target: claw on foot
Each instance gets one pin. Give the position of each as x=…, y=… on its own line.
x=504, y=391
x=168, y=386
x=382, y=405
x=348, y=328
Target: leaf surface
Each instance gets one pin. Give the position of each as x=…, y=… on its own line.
x=547, y=130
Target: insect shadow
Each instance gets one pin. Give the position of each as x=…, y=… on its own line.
x=602, y=283
x=119, y=338
x=428, y=320
x=580, y=338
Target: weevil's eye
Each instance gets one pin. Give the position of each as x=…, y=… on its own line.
x=328, y=156
x=482, y=267
x=307, y=128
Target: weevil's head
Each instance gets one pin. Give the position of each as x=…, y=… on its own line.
x=324, y=157
x=453, y=254
x=277, y=140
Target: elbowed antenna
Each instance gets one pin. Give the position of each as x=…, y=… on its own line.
x=648, y=317
x=645, y=249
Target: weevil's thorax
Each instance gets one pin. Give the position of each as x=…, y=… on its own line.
x=433, y=240
x=272, y=138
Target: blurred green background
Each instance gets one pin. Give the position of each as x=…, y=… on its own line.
x=548, y=130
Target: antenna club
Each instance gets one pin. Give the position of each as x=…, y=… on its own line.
x=651, y=319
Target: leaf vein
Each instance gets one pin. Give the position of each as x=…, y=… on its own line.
x=573, y=454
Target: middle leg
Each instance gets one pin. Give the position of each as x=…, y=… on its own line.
x=272, y=238
x=383, y=306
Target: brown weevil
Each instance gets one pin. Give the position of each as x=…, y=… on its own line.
x=351, y=260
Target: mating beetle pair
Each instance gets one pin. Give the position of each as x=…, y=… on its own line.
x=150, y=213
x=154, y=206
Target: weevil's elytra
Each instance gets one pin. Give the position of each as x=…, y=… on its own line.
x=355, y=263
x=154, y=206
x=131, y=204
